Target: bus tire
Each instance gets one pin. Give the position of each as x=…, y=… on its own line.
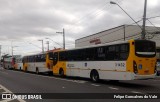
x=50, y=73
x=25, y=69
x=114, y=81
x=61, y=72
x=37, y=71
x=94, y=76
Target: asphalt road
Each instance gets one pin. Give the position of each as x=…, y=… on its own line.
x=20, y=82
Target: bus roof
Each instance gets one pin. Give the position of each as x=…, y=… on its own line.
x=111, y=43
x=117, y=42
x=44, y=52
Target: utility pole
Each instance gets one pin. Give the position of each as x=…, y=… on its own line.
x=144, y=21
x=124, y=32
x=63, y=39
x=47, y=44
x=63, y=32
x=12, y=49
x=0, y=51
x=42, y=46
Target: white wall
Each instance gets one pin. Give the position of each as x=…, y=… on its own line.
x=117, y=33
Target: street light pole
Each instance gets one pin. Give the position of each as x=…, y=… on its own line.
x=144, y=21
x=42, y=46
x=111, y=2
x=63, y=32
x=144, y=18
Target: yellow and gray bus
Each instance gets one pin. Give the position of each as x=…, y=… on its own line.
x=125, y=60
x=39, y=63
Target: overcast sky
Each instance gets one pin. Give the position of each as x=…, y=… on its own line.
x=24, y=22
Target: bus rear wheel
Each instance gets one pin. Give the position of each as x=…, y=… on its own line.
x=94, y=76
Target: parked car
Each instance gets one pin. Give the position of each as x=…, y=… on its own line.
x=158, y=67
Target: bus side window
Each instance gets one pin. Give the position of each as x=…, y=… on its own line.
x=124, y=51
x=117, y=51
x=100, y=54
x=111, y=52
x=62, y=56
x=55, y=58
x=42, y=58
x=89, y=54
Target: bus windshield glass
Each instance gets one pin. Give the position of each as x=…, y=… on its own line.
x=145, y=48
x=50, y=55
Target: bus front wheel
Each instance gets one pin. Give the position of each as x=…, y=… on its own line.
x=37, y=71
x=94, y=76
x=25, y=69
x=61, y=72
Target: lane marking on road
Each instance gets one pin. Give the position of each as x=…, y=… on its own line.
x=156, y=80
x=113, y=88
x=95, y=85
x=52, y=77
x=9, y=92
x=6, y=90
x=136, y=92
x=75, y=81
x=81, y=81
x=3, y=72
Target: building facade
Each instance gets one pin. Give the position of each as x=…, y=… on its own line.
x=120, y=33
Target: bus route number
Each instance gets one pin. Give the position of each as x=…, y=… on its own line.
x=70, y=65
x=120, y=64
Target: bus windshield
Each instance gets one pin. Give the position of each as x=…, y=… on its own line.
x=145, y=48
x=50, y=55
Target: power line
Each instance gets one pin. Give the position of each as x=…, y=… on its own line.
x=153, y=25
x=112, y=31
x=123, y=28
x=94, y=13
x=153, y=34
x=153, y=17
